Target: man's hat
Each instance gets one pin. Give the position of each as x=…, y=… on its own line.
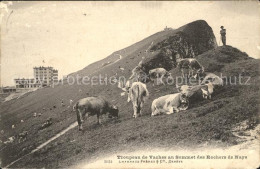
x=222, y=27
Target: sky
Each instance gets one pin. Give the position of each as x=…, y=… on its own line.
x=71, y=35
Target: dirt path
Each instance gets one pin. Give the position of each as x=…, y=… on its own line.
x=45, y=143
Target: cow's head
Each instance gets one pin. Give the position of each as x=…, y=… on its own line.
x=113, y=112
x=184, y=89
x=184, y=102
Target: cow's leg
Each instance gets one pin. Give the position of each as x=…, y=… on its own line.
x=141, y=106
x=99, y=116
x=80, y=119
x=169, y=110
x=135, y=110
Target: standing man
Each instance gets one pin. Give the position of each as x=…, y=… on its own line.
x=223, y=35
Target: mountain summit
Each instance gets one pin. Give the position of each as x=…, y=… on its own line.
x=187, y=41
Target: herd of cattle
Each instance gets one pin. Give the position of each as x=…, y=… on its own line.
x=138, y=93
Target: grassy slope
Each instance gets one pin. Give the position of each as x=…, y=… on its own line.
x=206, y=121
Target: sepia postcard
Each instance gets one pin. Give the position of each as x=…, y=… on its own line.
x=130, y=84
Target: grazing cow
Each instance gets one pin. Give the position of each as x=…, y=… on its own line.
x=91, y=106
x=22, y=121
x=34, y=114
x=158, y=73
x=189, y=66
x=207, y=90
x=22, y=136
x=13, y=126
x=137, y=94
x=169, y=103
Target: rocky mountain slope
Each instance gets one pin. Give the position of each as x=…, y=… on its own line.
x=206, y=122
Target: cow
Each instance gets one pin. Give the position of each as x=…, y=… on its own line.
x=189, y=66
x=169, y=103
x=91, y=106
x=13, y=126
x=137, y=94
x=207, y=90
x=205, y=78
x=203, y=90
x=159, y=74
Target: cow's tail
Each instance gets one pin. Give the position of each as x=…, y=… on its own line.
x=138, y=99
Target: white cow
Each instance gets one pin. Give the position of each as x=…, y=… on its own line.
x=207, y=91
x=169, y=103
x=137, y=94
x=211, y=77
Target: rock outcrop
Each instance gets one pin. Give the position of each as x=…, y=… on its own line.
x=187, y=41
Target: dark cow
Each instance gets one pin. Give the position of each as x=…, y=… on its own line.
x=189, y=67
x=91, y=106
